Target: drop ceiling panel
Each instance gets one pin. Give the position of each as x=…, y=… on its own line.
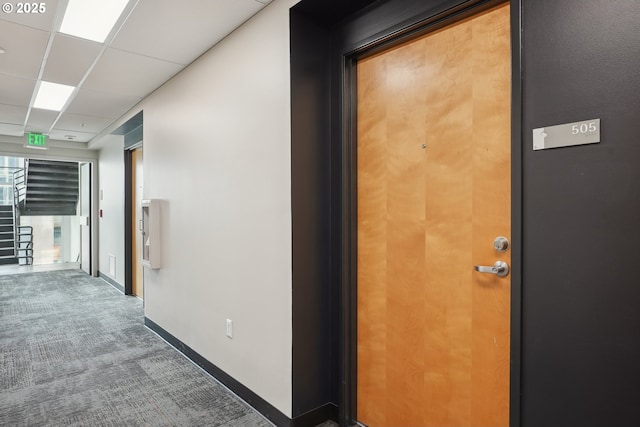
x=10, y=129
x=100, y=104
x=43, y=21
x=41, y=120
x=71, y=135
x=12, y=114
x=24, y=47
x=202, y=23
x=82, y=123
x=69, y=59
x=129, y=74
x=15, y=90
x=157, y=40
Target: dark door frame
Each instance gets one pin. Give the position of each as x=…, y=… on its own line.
x=132, y=132
x=128, y=223
x=348, y=292
x=90, y=219
x=128, y=218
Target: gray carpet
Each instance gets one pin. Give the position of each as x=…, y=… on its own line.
x=74, y=352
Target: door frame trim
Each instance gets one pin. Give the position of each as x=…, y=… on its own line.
x=128, y=223
x=91, y=215
x=128, y=217
x=348, y=219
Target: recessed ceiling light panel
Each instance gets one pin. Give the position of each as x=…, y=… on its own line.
x=52, y=96
x=92, y=19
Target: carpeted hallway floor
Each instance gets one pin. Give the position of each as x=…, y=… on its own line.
x=74, y=352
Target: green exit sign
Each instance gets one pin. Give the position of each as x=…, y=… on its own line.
x=37, y=140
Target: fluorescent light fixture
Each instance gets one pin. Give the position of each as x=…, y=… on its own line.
x=52, y=96
x=92, y=19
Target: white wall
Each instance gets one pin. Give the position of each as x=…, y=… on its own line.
x=217, y=153
x=111, y=225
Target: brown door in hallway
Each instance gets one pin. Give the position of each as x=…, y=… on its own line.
x=434, y=192
x=136, y=214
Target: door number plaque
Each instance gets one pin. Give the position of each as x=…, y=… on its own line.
x=567, y=135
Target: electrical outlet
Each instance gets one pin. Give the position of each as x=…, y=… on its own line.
x=229, y=328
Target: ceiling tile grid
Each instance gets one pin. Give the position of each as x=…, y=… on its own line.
x=155, y=41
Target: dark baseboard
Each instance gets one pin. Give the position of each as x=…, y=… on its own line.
x=327, y=412
x=258, y=403
x=110, y=281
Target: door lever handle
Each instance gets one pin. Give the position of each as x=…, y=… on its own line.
x=500, y=268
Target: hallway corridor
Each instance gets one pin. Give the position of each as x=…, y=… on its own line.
x=74, y=352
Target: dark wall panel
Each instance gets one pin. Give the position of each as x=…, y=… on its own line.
x=581, y=288
x=314, y=351
x=320, y=37
x=327, y=12
x=581, y=205
x=385, y=16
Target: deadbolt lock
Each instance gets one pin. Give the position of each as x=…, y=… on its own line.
x=501, y=244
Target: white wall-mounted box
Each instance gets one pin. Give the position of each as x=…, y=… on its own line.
x=151, y=233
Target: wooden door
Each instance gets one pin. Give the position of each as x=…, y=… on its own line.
x=136, y=206
x=433, y=194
